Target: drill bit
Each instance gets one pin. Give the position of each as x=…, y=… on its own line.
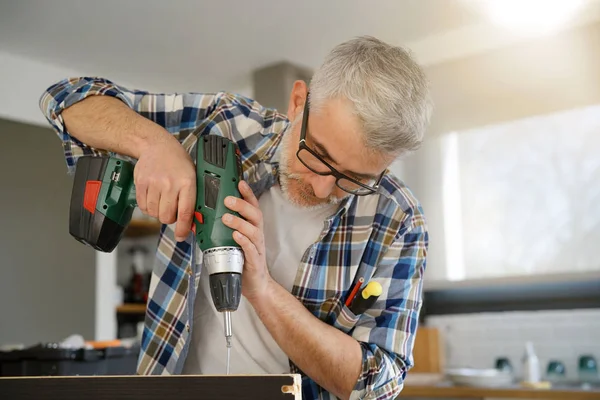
x=228, y=334
x=228, y=353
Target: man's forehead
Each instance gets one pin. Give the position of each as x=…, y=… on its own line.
x=335, y=117
x=334, y=132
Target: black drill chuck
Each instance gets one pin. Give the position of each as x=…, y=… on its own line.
x=226, y=290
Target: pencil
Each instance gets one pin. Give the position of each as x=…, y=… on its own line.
x=354, y=291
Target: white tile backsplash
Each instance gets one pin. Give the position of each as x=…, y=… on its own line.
x=476, y=340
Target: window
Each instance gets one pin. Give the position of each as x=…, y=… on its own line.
x=517, y=198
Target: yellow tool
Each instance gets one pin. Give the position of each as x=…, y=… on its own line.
x=372, y=289
x=368, y=296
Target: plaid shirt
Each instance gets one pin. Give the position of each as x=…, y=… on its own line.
x=380, y=237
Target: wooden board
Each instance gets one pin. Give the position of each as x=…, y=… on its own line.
x=180, y=387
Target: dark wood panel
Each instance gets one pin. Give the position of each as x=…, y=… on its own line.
x=179, y=387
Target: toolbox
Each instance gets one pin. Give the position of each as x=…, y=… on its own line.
x=48, y=359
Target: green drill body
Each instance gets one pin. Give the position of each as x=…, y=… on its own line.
x=104, y=198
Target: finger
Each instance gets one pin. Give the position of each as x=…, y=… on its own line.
x=167, y=209
x=185, y=212
x=152, y=201
x=141, y=189
x=251, y=254
x=245, y=228
x=247, y=193
x=141, y=194
x=248, y=211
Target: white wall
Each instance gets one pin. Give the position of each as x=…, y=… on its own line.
x=23, y=80
x=47, y=279
x=534, y=77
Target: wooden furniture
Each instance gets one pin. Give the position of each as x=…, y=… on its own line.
x=128, y=316
x=180, y=387
x=131, y=308
x=142, y=227
x=447, y=391
x=428, y=351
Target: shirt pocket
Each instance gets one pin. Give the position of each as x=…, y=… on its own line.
x=343, y=318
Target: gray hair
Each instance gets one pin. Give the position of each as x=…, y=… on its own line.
x=387, y=87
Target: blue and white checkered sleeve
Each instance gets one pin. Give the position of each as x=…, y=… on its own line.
x=387, y=333
x=177, y=113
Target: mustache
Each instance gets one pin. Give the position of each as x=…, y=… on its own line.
x=288, y=175
x=306, y=191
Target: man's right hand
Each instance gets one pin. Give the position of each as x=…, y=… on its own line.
x=164, y=176
x=165, y=181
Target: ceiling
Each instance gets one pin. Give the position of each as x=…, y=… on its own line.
x=211, y=45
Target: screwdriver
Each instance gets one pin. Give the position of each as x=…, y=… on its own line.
x=367, y=298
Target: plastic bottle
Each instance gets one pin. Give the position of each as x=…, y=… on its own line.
x=531, y=365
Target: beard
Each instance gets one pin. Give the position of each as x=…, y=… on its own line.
x=300, y=194
x=294, y=189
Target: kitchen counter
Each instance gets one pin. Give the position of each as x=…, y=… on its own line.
x=447, y=390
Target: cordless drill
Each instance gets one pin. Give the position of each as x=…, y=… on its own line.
x=103, y=200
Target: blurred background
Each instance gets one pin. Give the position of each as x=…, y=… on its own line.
x=509, y=174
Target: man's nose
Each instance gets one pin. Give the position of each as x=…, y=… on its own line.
x=323, y=186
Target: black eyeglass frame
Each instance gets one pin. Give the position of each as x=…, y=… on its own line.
x=338, y=175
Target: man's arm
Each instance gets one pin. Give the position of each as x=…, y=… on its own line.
x=94, y=115
x=336, y=360
x=107, y=123
x=374, y=360
x=330, y=357
x=177, y=113
x=387, y=332
x=164, y=174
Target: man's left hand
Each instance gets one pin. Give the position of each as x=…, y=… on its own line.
x=249, y=234
x=330, y=357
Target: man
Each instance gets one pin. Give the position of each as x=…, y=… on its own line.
x=320, y=211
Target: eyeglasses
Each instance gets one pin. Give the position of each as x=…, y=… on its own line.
x=316, y=164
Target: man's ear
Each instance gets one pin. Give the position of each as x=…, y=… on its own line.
x=297, y=99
